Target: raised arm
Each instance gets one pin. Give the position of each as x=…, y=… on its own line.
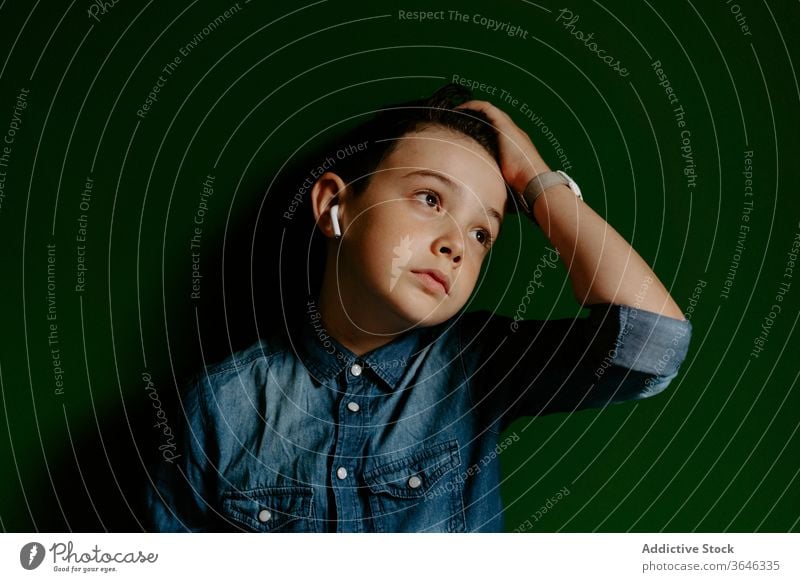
x=603, y=267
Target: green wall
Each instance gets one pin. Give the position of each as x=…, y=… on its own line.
x=97, y=306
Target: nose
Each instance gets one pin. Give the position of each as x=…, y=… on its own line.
x=451, y=245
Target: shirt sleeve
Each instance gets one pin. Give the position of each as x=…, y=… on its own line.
x=535, y=367
x=179, y=497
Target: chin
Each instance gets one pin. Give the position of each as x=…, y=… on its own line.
x=410, y=304
x=418, y=308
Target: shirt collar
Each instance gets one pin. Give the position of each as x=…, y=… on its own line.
x=326, y=358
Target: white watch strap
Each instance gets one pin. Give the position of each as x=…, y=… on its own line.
x=540, y=183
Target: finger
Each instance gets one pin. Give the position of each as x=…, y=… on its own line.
x=497, y=115
x=478, y=105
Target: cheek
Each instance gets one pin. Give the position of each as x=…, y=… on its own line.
x=468, y=277
x=393, y=235
x=383, y=244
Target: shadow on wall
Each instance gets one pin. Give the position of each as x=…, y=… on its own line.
x=101, y=487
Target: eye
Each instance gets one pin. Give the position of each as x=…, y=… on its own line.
x=431, y=199
x=485, y=238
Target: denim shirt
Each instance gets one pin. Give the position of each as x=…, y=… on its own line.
x=298, y=434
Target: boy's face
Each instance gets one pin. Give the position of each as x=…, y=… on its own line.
x=430, y=205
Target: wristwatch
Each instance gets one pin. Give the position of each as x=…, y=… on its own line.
x=539, y=184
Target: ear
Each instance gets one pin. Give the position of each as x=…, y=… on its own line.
x=329, y=189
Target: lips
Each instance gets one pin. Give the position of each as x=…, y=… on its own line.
x=437, y=276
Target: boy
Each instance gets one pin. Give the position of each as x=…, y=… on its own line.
x=376, y=410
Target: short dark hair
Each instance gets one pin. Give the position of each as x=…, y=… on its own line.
x=381, y=133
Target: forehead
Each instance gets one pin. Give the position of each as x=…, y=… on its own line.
x=453, y=154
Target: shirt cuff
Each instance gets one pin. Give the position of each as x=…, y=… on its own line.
x=648, y=342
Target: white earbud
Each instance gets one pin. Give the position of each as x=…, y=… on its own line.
x=337, y=231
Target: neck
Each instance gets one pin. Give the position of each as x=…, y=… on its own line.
x=354, y=327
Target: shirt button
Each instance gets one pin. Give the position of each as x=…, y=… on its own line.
x=414, y=481
x=353, y=406
x=355, y=370
x=341, y=472
x=264, y=515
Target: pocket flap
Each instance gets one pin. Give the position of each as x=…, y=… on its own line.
x=269, y=508
x=413, y=476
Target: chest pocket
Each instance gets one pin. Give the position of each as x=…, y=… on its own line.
x=271, y=509
x=420, y=492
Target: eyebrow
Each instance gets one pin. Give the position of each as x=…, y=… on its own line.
x=455, y=187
